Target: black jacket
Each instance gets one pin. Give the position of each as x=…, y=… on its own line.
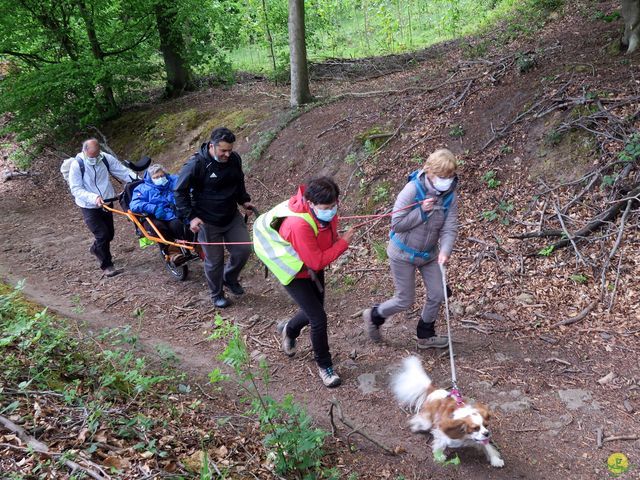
x=210, y=190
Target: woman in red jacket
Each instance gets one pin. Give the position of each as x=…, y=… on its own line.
x=319, y=199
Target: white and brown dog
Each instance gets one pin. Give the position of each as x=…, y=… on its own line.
x=451, y=423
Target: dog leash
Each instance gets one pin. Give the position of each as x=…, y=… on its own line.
x=455, y=393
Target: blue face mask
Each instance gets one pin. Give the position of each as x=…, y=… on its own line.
x=326, y=215
x=160, y=181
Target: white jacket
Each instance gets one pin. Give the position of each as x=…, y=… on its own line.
x=96, y=182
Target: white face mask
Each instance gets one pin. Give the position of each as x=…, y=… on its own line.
x=441, y=184
x=93, y=161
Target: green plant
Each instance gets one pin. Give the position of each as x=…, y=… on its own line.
x=490, y=215
x=506, y=207
x=381, y=193
x=525, y=62
x=78, y=308
x=546, y=251
x=607, y=17
x=554, y=137
x=351, y=159
x=506, y=149
x=490, y=179
x=296, y=446
x=380, y=250
x=579, y=278
x=608, y=180
x=631, y=151
x=457, y=131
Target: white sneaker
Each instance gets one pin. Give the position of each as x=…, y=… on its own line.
x=329, y=377
x=288, y=344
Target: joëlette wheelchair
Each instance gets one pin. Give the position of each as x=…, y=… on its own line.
x=146, y=229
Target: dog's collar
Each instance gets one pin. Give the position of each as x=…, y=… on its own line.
x=455, y=394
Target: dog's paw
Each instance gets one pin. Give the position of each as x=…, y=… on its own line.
x=497, y=462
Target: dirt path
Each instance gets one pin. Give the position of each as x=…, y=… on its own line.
x=546, y=411
x=543, y=387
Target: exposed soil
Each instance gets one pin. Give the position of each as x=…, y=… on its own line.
x=541, y=381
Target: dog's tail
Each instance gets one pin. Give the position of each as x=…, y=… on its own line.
x=410, y=385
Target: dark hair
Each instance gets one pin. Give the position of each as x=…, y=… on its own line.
x=322, y=191
x=222, y=134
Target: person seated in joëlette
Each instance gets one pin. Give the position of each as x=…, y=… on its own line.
x=154, y=198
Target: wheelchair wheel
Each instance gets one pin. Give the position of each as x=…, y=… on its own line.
x=178, y=273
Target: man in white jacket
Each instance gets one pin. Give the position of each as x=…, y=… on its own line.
x=90, y=185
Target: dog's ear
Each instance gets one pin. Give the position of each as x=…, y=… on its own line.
x=454, y=428
x=483, y=410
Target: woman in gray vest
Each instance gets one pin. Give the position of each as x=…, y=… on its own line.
x=424, y=228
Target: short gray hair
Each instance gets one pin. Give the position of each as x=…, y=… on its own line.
x=155, y=168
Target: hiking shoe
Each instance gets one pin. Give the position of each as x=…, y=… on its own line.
x=110, y=272
x=235, y=288
x=437, y=341
x=373, y=330
x=288, y=343
x=221, y=301
x=329, y=377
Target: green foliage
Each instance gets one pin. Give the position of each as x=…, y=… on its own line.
x=295, y=445
x=490, y=215
x=525, y=62
x=490, y=179
x=608, y=180
x=380, y=250
x=382, y=193
x=441, y=458
x=631, y=151
x=607, y=17
x=546, y=251
x=506, y=149
x=579, y=278
x=41, y=353
x=457, y=131
x=554, y=137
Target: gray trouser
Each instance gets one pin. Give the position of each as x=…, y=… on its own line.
x=404, y=280
x=214, y=267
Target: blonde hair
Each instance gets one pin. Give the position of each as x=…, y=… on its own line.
x=441, y=163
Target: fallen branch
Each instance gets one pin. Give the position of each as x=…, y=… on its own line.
x=615, y=438
x=10, y=175
x=336, y=404
x=600, y=220
x=38, y=446
x=577, y=318
x=599, y=436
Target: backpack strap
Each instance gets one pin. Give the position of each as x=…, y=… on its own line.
x=106, y=164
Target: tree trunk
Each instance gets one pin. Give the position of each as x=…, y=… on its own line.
x=300, y=93
x=98, y=54
x=179, y=76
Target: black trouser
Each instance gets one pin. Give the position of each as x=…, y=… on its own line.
x=100, y=222
x=215, y=269
x=310, y=299
x=170, y=229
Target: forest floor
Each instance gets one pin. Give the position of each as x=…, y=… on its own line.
x=551, y=387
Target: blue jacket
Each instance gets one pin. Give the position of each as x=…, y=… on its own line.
x=151, y=199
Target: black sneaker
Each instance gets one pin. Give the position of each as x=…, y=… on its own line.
x=221, y=301
x=235, y=288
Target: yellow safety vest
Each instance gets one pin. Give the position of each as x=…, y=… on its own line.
x=275, y=252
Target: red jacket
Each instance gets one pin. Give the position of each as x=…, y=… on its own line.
x=316, y=252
